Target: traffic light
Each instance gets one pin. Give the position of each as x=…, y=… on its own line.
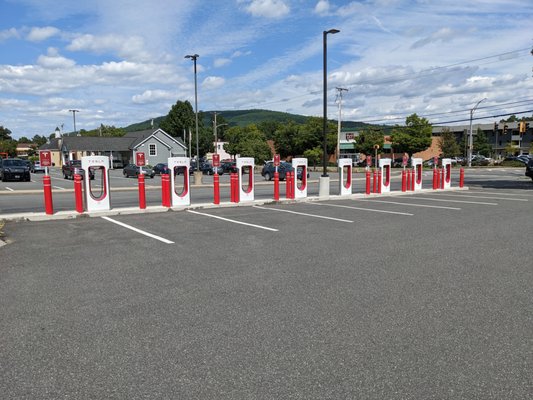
x=505, y=129
x=495, y=126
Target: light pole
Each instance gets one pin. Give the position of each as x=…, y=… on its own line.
x=470, y=143
x=194, y=57
x=338, y=149
x=74, y=116
x=324, y=179
x=215, y=131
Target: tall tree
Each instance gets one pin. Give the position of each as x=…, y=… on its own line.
x=368, y=139
x=415, y=136
x=5, y=134
x=181, y=116
x=247, y=141
x=448, y=144
x=481, y=144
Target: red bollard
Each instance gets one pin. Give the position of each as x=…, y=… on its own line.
x=276, y=186
x=78, y=195
x=404, y=181
x=367, y=181
x=374, y=182
x=47, y=188
x=412, y=187
x=442, y=178
x=234, y=187
x=379, y=181
x=434, y=178
x=288, y=185
x=142, y=193
x=231, y=191
x=461, y=177
x=216, y=188
x=165, y=190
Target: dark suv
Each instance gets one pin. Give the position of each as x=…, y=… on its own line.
x=529, y=168
x=14, y=169
x=268, y=170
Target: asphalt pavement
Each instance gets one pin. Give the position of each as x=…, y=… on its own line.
x=419, y=296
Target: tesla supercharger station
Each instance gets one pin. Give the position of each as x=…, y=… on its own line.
x=416, y=164
x=300, y=192
x=345, y=189
x=385, y=165
x=96, y=200
x=176, y=164
x=242, y=164
x=447, y=166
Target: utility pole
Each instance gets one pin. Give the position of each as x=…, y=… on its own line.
x=74, y=116
x=339, y=97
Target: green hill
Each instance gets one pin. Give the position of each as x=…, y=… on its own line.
x=244, y=118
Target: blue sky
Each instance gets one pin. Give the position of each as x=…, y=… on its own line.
x=122, y=61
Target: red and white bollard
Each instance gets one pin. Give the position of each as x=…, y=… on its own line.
x=435, y=178
x=165, y=190
x=442, y=178
x=216, y=188
x=234, y=187
x=374, y=182
x=379, y=180
x=461, y=177
x=276, y=185
x=142, y=193
x=367, y=181
x=78, y=194
x=404, y=180
x=47, y=188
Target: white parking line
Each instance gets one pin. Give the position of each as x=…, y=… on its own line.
x=58, y=187
x=454, y=201
x=305, y=214
x=11, y=190
x=500, y=194
x=483, y=197
x=139, y=230
x=233, y=221
x=410, y=204
x=363, y=209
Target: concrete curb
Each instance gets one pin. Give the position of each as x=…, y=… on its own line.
x=61, y=215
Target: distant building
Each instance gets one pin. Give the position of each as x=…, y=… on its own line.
x=23, y=149
x=156, y=144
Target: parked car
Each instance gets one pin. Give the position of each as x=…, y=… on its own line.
x=161, y=168
x=133, y=170
x=118, y=164
x=14, y=169
x=72, y=167
x=36, y=167
x=228, y=166
x=529, y=168
x=480, y=160
x=269, y=169
x=208, y=169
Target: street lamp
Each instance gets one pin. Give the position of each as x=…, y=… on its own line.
x=194, y=57
x=74, y=116
x=324, y=179
x=470, y=142
x=215, y=131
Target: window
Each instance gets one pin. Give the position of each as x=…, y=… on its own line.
x=153, y=150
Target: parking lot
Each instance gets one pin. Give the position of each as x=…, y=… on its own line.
x=392, y=297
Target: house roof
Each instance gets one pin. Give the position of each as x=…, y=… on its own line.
x=97, y=143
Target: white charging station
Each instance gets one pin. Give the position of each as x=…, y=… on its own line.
x=385, y=166
x=181, y=164
x=416, y=164
x=447, y=166
x=246, y=163
x=300, y=190
x=96, y=190
x=345, y=189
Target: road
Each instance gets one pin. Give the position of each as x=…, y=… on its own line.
x=395, y=297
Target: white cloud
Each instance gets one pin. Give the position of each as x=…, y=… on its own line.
x=322, y=7
x=221, y=62
x=37, y=34
x=153, y=96
x=54, y=61
x=268, y=8
x=8, y=34
x=131, y=47
x=213, y=82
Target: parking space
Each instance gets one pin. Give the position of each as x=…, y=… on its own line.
x=380, y=297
